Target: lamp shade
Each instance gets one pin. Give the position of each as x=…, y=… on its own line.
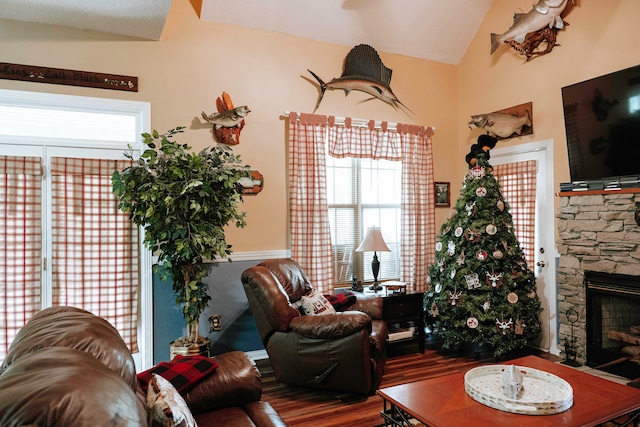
x=373, y=242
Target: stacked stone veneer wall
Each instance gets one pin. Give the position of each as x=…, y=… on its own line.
x=595, y=233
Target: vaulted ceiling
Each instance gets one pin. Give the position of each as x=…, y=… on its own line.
x=438, y=30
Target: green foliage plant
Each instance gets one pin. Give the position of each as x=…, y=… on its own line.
x=184, y=201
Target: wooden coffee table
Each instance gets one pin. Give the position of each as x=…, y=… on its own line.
x=443, y=402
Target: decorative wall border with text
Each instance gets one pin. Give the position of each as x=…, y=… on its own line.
x=32, y=73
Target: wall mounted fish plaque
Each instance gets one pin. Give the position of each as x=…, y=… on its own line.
x=228, y=121
x=252, y=184
x=507, y=123
x=363, y=71
x=532, y=30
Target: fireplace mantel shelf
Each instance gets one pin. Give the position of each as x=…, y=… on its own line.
x=598, y=192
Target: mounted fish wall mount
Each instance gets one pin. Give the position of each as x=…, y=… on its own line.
x=507, y=123
x=228, y=121
x=535, y=32
x=364, y=71
x=252, y=184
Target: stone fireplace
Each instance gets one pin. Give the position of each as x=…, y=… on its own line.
x=598, y=236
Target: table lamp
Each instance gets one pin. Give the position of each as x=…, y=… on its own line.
x=373, y=241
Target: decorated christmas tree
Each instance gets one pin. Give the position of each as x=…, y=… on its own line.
x=480, y=287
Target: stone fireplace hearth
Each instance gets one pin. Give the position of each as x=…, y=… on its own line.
x=597, y=233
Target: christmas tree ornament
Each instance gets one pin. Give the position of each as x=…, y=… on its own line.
x=532, y=294
x=500, y=205
x=470, y=208
x=481, y=192
x=473, y=281
x=491, y=229
x=453, y=274
x=455, y=297
x=472, y=235
x=441, y=265
x=520, y=327
x=472, y=322
x=494, y=280
x=438, y=246
x=451, y=248
x=503, y=326
x=446, y=230
x=486, y=306
x=438, y=288
x=461, y=259
x=481, y=255
x=433, y=311
x=458, y=232
x=477, y=172
x=512, y=297
x=497, y=254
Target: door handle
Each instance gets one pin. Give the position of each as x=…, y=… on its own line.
x=540, y=264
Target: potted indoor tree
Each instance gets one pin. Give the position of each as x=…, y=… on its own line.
x=184, y=200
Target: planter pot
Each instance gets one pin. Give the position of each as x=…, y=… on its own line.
x=184, y=348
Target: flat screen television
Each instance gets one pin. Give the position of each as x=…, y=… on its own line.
x=602, y=123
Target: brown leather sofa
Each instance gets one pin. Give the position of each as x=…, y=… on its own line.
x=68, y=367
x=345, y=351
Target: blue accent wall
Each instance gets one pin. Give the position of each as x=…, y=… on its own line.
x=239, y=331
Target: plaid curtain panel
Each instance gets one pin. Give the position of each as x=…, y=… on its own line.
x=418, y=205
x=310, y=229
x=518, y=184
x=21, y=234
x=95, y=246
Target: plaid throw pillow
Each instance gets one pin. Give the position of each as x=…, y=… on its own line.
x=341, y=301
x=183, y=372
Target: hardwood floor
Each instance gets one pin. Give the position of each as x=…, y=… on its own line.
x=317, y=408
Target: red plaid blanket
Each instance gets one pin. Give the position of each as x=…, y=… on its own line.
x=184, y=372
x=341, y=301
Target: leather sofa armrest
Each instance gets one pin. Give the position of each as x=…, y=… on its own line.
x=263, y=415
x=234, y=383
x=330, y=325
x=370, y=304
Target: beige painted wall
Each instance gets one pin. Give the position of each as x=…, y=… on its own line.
x=601, y=38
x=194, y=62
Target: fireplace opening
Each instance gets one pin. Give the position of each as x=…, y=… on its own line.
x=613, y=323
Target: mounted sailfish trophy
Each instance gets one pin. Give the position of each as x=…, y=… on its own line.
x=228, y=121
x=364, y=71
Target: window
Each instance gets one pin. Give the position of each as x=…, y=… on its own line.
x=362, y=193
x=66, y=241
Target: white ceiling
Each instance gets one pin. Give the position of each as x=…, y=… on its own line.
x=439, y=30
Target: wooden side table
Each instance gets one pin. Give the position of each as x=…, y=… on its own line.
x=403, y=312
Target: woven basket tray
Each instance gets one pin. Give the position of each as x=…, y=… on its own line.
x=542, y=393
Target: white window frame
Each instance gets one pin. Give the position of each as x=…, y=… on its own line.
x=39, y=145
x=361, y=267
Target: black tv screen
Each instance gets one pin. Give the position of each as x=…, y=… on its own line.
x=602, y=122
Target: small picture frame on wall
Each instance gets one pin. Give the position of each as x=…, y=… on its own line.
x=443, y=194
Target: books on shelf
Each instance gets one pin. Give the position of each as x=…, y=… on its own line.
x=401, y=334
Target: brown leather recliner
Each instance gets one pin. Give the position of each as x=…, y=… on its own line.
x=345, y=351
